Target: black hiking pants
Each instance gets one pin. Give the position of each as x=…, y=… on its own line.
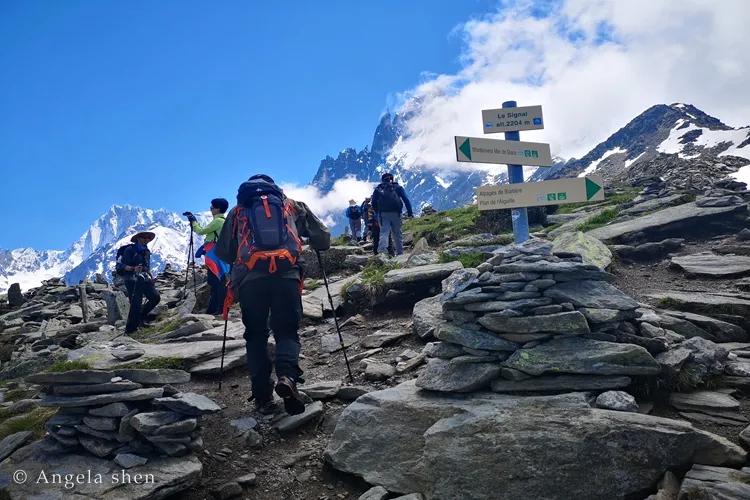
x=139, y=287
x=280, y=298
x=218, y=293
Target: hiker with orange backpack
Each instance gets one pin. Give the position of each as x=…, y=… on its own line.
x=261, y=237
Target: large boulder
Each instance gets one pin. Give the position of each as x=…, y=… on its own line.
x=474, y=446
x=592, y=294
x=591, y=250
x=15, y=297
x=672, y=221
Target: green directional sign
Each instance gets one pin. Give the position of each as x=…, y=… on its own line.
x=480, y=150
x=535, y=194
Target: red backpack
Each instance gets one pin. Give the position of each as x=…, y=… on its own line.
x=265, y=229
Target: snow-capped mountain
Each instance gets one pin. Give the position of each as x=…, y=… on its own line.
x=679, y=142
x=94, y=252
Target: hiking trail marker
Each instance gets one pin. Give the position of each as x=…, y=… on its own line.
x=512, y=119
x=538, y=194
x=518, y=195
x=478, y=150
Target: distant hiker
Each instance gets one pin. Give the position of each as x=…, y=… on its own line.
x=388, y=200
x=354, y=214
x=261, y=237
x=217, y=268
x=134, y=265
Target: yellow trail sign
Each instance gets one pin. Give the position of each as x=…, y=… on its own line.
x=535, y=194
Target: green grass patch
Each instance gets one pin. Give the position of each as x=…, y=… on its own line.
x=668, y=303
x=18, y=394
x=551, y=227
x=444, y=226
x=156, y=364
x=601, y=219
x=373, y=274
x=157, y=329
x=313, y=284
x=66, y=366
x=467, y=259
x=617, y=199
x=32, y=421
x=342, y=240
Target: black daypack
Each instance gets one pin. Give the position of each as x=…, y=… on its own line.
x=118, y=256
x=388, y=198
x=264, y=225
x=355, y=212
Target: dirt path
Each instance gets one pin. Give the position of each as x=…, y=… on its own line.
x=290, y=466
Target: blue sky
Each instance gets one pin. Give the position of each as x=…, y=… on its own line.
x=170, y=103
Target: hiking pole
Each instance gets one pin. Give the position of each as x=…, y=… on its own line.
x=335, y=319
x=228, y=301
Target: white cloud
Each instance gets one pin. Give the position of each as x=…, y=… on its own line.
x=332, y=203
x=593, y=64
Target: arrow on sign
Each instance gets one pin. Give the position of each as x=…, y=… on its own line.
x=465, y=148
x=591, y=188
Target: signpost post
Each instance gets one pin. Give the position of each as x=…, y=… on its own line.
x=519, y=216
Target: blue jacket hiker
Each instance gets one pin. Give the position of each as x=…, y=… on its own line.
x=134, y=265
x=354, y=214
x=389, y=200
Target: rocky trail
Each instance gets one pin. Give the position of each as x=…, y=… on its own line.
x=607, y=357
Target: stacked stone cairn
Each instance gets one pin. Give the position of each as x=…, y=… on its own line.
x=128, y=415
x=529, y=319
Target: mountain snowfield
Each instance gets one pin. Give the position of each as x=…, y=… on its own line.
x=94, y=252
x=676, y=142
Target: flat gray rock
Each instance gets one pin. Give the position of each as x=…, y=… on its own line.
x=71, y=377
x=374, y=493
x=383, y=338
x=452, y=376
x=585, y=357
x=244, y=424
x=11, y=443
x=81, y=389
x=501, y=305
x=331, y=343
x=232, y=360
x=664, y=220
x=435, y=441
x=156, y=376
x=171, y=476
x=553, y=383
x=473, y=339
x=149, y=422
x=710, y=264
x=291, y=422
x=321, y=390
x=129, y=460
x=568, y=323
x=704, y=303
x=705, y=481
x=426, y=316
x=443, y=350
x=189, y=403
x=102, y=399
x=703, y=401
x=591, y=294
x=722, y=330
x=398, y=278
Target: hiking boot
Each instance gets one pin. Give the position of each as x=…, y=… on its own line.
x=267, y=407
x=286, y=388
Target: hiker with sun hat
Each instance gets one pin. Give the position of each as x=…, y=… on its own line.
x=134, y=265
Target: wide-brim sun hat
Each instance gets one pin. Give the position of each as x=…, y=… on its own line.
x=144, y=234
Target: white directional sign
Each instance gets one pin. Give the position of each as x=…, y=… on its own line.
x=478, y=150
x=535, y=194
x=512, y=119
